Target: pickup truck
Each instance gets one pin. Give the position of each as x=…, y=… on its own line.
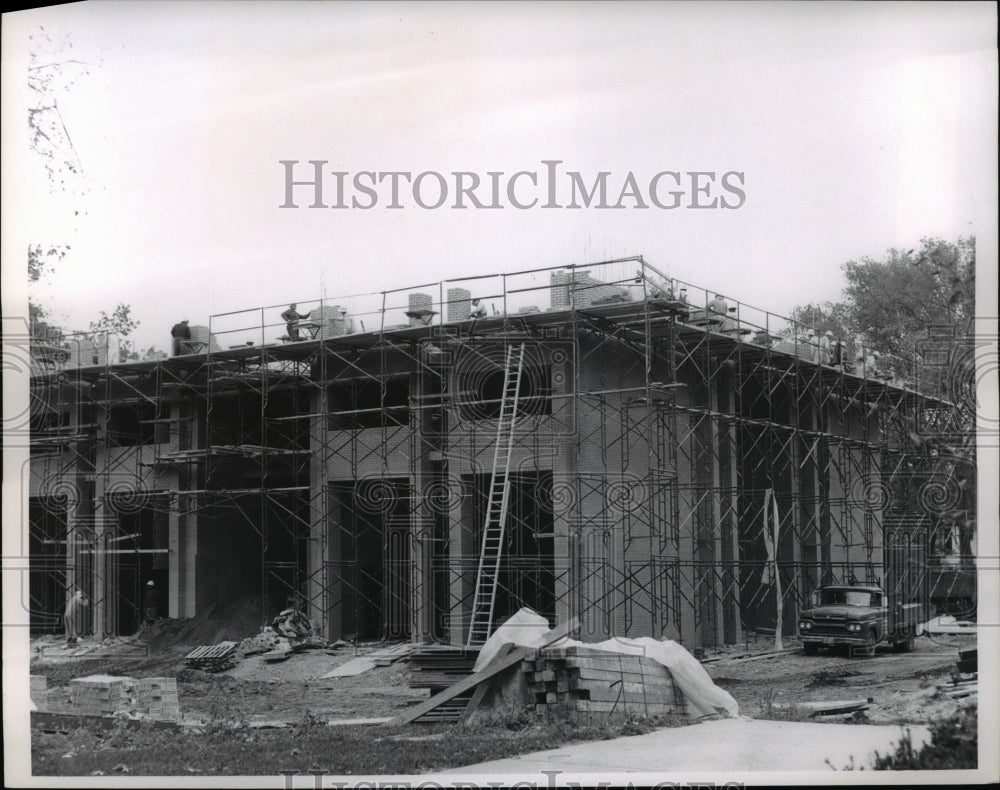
x=858, y=616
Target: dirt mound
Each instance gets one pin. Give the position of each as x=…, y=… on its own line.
x=234, y=622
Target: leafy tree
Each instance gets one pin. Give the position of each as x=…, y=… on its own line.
x=120, y=323
x=832, y=316
x=41, y=261
x=893, y=302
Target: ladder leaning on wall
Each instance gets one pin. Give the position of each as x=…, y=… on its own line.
x=496, y=507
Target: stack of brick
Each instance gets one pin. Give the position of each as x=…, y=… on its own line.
x=332, y=320
x=421, y=306
x=39, y=690
x=157, y=698
x=586, y=290
x=202, y=334
x=459, y=304
x=101, y=695
x=571, y=679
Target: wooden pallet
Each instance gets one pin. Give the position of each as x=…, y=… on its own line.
x=212, y=658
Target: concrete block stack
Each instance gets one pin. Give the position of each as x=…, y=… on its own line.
x=581, y=679
x=81, y=353
x=201, y=334
x=585, y=290
x=420, y=305
x=331, y=319
x=101, y=695
x=157, y=698
x=459, y=304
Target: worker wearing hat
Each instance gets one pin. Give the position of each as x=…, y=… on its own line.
x=826, y=348
x=178, y=333
x=152, y=603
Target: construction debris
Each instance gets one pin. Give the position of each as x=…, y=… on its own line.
x=960, y=687
x=837, y=707
x=212, y=658
x=266, y=640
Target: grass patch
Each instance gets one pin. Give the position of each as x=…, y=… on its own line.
x=242, y=751
x=954, y=744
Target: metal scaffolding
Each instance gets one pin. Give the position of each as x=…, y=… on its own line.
x=351, y=470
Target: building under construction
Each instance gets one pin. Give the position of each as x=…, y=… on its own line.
x=598, y=445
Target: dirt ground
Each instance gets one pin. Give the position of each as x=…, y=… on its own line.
x=901, y=685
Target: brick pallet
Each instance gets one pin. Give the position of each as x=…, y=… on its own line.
x=157, y=697
x=101, y=695
x=583, y=679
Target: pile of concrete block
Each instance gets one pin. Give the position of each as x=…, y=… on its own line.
x=110, y=695
x=157, y=698
x=101, y=695
x=578, y=679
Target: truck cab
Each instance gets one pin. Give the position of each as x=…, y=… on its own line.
x=858, y=616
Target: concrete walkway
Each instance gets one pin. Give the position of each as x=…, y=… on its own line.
x=729, y=745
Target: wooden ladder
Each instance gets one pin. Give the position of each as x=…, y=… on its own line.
x=496, y=508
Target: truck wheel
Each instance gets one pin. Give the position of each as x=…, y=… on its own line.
x=909, y=642
x=869, y=648
x=810, y=648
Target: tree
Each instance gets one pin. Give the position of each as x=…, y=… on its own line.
x=832, y=316
x=40, y=264
x=120, y=323
x=51, y=73
x=893, y=302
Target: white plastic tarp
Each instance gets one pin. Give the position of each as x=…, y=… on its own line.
x=528, y=629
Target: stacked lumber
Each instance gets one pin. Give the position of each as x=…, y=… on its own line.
x=584, y=679
x=438, y=667
x=212, y=658
x=157, y=698
x=101, y=695
x=390, y=655
x=960, y=687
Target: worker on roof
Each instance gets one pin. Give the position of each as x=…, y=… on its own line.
x=179, y=332
x=719, y=305
x=478, y=310
x=291, y=317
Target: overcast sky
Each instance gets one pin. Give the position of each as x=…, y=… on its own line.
x=857, y=127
